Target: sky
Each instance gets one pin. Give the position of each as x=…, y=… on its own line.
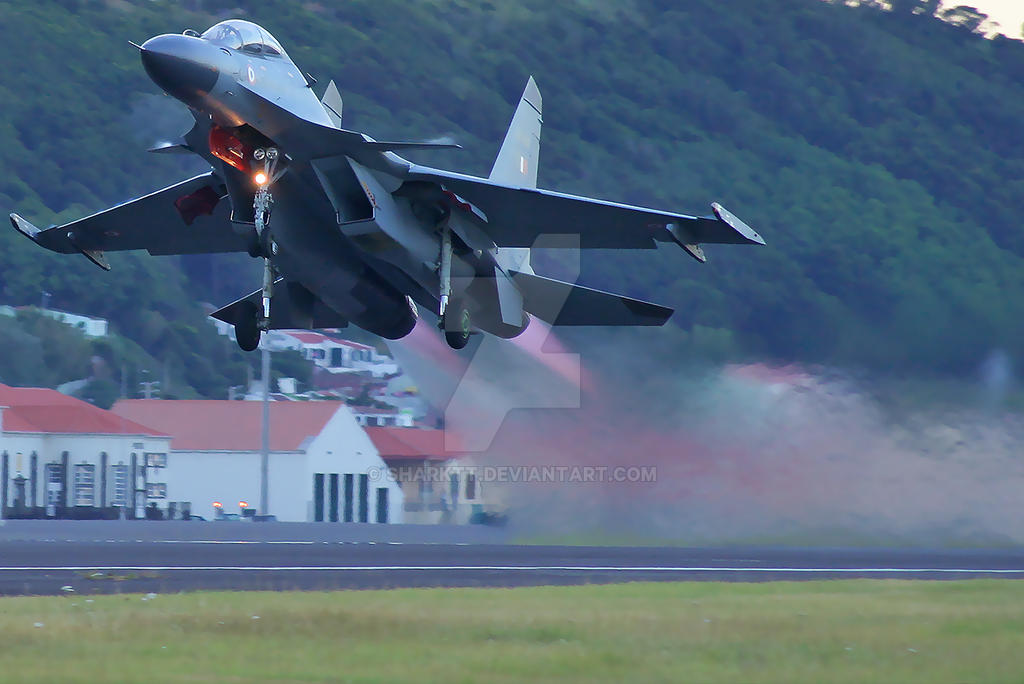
x=1009, y=13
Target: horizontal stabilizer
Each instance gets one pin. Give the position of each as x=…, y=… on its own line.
x=561, y=303
x=293, y=307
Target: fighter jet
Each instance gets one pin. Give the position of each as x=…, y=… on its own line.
x=348, y=230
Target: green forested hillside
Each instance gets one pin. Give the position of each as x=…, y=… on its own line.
x=880, y=153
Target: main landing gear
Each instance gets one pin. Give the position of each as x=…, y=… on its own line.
x=455, y=320
x=253, y=322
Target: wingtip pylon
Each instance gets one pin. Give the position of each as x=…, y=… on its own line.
x=731, y=220
x=24, y=227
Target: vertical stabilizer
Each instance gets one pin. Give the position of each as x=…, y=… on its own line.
x=516, y=164
x=332, y=103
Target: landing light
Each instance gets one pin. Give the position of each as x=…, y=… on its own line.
x=260, y=178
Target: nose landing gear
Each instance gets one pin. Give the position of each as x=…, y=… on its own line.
x=254, y=322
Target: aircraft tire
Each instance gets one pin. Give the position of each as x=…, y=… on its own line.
x=247, y=332
x=457, y=336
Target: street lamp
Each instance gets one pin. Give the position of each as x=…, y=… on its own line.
x=265, y=437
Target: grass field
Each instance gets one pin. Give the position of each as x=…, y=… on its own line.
x=833, y=631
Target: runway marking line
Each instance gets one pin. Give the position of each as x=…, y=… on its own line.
x=515, y=568
x=231, y=541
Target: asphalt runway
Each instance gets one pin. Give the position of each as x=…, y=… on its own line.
x=168, y=563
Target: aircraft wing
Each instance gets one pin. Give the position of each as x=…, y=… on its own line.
x=190, y=217
x=516, y=217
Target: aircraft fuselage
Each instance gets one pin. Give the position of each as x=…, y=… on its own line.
x=255, y=94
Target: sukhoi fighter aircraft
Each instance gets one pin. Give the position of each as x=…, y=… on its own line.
x=348, y=230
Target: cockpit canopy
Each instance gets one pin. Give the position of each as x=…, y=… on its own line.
x=237, y=34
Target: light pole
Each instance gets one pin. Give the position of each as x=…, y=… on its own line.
x=265, y=440
x=148, y=386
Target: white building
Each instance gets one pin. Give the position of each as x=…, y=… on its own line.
x=373, y=416
x=441, y=485
x=62, y=457
x=89, y=325
x=322, y=466
x=334, y=355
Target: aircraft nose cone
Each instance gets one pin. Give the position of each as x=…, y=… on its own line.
x=183, y=66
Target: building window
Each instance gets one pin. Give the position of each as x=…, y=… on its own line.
x=470, y=486
x=54, y=483
x=154, y=460
x=156, y=490
x=120, y=485
x=337, y=360
x=85, y=481
x=453, y=488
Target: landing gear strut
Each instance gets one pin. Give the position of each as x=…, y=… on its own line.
x=454, y=321
x=255, y=321
x=262, y=204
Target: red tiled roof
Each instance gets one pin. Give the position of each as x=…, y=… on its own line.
x=407, y=443
x=310, y=337
x=35, y=409
x=205, y=425
x=307, y=337
x=354, y=345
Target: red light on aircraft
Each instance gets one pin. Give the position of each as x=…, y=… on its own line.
x=229, y=149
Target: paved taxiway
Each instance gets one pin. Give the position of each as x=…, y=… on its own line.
x=34, y=564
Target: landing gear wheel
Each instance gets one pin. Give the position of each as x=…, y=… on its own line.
x=247, y=331
x=457, y=331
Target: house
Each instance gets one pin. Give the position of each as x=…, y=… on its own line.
x=61, y=457
x=89, y=325
x=322, y=466
x=439, y=485
x=373, y=416
x=335, y=355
